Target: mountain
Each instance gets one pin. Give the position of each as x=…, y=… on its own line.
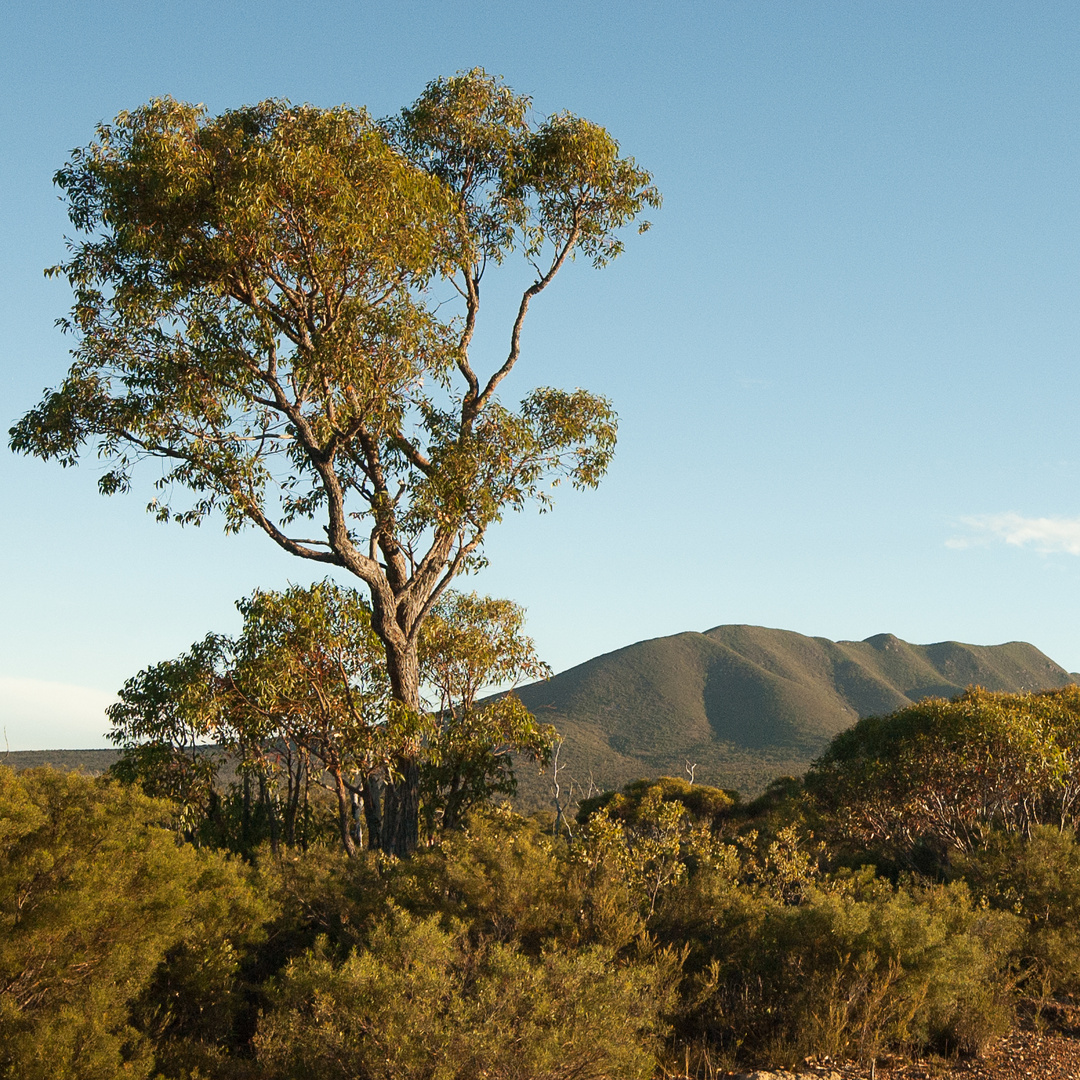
x=741, y=704
x=745, y=704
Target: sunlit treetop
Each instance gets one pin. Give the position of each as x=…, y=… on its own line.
x=254, y=306
x=261, y=305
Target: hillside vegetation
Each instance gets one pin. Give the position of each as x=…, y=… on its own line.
x=744, y=704
x=918, y=893
x=747, y=703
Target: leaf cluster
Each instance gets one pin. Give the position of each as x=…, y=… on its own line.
x=300, y=698
x=947, y=773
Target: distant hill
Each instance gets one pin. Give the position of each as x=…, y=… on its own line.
x=746, y=704
x=94, y=762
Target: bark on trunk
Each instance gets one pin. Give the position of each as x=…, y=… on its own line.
x=344, y=804
x=271, y=814
x=401, y=802
x=401, y=810
x=373, y=794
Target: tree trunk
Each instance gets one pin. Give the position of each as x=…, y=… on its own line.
x=295, y=766
x=344, y=804
x=454, y=797
x=401, y=803
x=372, y=795
x=245, y=814
x=401, y=810
x=271, y=813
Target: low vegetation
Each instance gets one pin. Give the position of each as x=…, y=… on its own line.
x=670, y=930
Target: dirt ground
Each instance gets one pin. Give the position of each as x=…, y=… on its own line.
x=1049, y=1050
x=1023, y=1055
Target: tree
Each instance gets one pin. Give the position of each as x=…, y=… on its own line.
x=259, y=305
x=468, y=645
x=303, y=683
x=308, y=681
x=167, y=718
x=947, y=773
x=303, y=689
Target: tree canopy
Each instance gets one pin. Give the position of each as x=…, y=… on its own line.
x=260, y=305
x=300, y=697
x=947, y=773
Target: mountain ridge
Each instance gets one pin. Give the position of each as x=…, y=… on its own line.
x=737, y=704
x=741, y=703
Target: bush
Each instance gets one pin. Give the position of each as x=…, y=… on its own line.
x=1037, y=879
x=419, y=1002
x=783, y=964
x=704, y=804
x=940, y=776
x=97, y=900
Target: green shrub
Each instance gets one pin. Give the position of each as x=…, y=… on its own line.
x=1038, y=879
x=940, y=776
x=97, y=899
x=419, y=1002
x=704, y=804
x=846, y=965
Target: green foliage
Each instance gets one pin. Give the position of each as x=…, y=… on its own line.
x=470, y=645
x=704, y=804
x=308, y=687
x=164, y=718
x=1037, y=878
x=947, y=773
x=783, y=960
x=495, y=949
x=419, y=1002
x=648, y=939
x=300, y=700
x=96, y=899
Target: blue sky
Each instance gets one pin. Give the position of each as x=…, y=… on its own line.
x=845, y=357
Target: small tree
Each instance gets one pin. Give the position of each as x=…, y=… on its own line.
x=948, y=772
x=303, y=689
x=308, y=681
x=259, y=305
x=471, y=644
x=167, y=719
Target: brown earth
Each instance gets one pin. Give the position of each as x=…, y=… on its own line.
x=1024, y=1054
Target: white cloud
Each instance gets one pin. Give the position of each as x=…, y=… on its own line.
x=1044, y=534
x=39, y=715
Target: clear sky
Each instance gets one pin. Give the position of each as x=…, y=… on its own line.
x=845, y=358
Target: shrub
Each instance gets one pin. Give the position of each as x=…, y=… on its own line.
x=942, y=775
x=782, y=965
x=97, y=900
x=419, y=1002
x=704, y=804
x=1038, y=879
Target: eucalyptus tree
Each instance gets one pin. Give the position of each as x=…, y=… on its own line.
x=948, y=773
x=307, y=685
x=301, y=696
x=470, y=646
x=167, y=719
x=261, y=306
